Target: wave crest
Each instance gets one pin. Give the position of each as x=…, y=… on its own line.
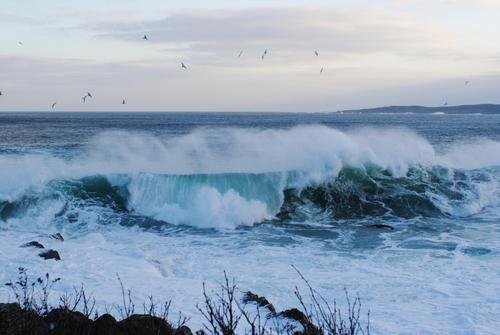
x=234, y=177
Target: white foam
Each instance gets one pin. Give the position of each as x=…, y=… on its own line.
x=294, y=157
x=208, y=208
x=479, y=154
x=315, y=149
x=408, y=291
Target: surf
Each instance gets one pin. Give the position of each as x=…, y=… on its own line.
x=225, y=178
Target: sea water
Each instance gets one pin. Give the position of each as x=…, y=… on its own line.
x=403, y=210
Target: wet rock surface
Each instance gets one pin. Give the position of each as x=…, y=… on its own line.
x=33, y=244
x=50, y=254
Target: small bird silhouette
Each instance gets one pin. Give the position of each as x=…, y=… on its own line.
x=241, y=53
x=123, y=102
x=316, y=53
x=1, y=93
x=20, y=43
x=445, y=104
x=89, y=95
x=145, y=38
x=84, y=98
x=54, y=105
x=466, y=82
x=264, y=54
x=183, y=66
x=321, y=71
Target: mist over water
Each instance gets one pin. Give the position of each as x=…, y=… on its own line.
x=156, y=198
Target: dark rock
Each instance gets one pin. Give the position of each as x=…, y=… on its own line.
x=65, y=322
x=382, y=226
x=34, y=244
x=145, y=325
x=184, y=330
x=16, y=321
x=57, y=236
x=50, y=254
x=106, y=325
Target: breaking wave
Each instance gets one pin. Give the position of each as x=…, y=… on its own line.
x=224, y=178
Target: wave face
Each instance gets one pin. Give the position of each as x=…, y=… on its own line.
x=225, y=178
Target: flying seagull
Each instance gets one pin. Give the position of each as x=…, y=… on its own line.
x=316, y=53
x=84, y=98
x=123, y=102
x=184, y=66
x=241, y=53
x=54, y=105
x=321, y=71
x=145, y=38
x=264, y=54
x=89, y=95
x=466, y=82
x=20, y=43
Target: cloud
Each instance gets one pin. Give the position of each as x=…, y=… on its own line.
x=368, y=53
x=286, y=30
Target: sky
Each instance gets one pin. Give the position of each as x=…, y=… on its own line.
x=373, y=53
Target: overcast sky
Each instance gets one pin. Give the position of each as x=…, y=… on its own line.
x=374, y=53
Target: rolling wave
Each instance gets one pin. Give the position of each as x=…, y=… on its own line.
x=233, y=177
x=229, y=200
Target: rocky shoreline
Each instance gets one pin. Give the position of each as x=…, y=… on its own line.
x=226, y=311
x=16, y=320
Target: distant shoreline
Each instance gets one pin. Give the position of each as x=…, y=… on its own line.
x=460, y=109
x=486, y=109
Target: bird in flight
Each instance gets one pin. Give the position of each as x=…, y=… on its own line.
x=184, y=66
x=123, y=102
x=264, y=54
x=466, y=82
x=54, y=105
x=89, y=95
x=84, y=98
x=321, y=71
x=145, y=38
x=445, y=104
x=20, y=43
x=316, y=53
x=241, y=53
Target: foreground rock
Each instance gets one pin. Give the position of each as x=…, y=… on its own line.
x=106, y=325
x=50, y=254
x=34, y=244
x=145, y=324
x=16, y=321
x=65, y=322
x=183, y=330
x=57, y=236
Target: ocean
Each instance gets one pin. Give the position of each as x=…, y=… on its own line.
x=401, y=209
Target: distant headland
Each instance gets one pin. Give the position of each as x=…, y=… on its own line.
x=462, y=109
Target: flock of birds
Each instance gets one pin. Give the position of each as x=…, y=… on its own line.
x=184, y=66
